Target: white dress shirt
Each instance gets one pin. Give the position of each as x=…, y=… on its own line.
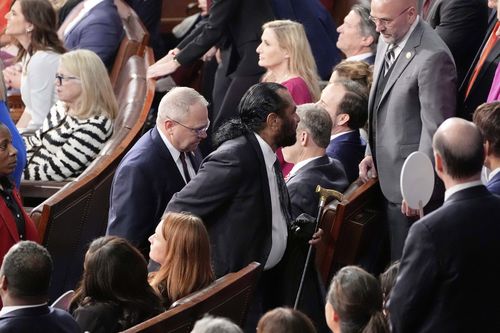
x=87, y=6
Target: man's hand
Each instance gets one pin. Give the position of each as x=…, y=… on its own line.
x=162, y=69
x=316, y=238
x=367, y=169
x=406, y=210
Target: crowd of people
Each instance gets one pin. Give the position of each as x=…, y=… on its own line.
x=417, y=76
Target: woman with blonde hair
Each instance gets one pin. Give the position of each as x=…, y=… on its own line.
x=32, y=23
x=181, y=246
x=78, y=125
x=286, y=54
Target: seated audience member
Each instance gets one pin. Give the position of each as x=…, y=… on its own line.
x=285, y=320
x=95, y=26
x=139, y=193
x=358, y=35
x=354, y=303
x=347, y=104
x=387, y=281
x=487, y=120
x=181, y=246
x=358, y=71
x=312, y=166
x=209, y=324
x=17, y=140
x=286, y=55
x=24, y=284
x=32, y=23
x=114, y=293
x=15, y=223
x=78, y=125
x=438, y=288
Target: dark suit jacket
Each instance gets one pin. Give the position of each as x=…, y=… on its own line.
x=320, y=29
x=240, y=21
x=324, y=171
x=448, y=278
x=411, y=106
x=143, y=184
x=39, y=319
x=494, y=184
x=349, y=149
x=482, y=84
x=100, y=31
x=461, y=24
x=231, y=195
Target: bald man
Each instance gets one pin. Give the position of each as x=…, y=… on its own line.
x=448, y=278
x=413, y=92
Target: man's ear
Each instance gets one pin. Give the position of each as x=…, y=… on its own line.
x=343, y=119
x=272, y=120
x=367, y=41
x=438, y=163
x=304, y=137
x=3, y=282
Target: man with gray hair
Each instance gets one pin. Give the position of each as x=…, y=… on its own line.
x=312, y=166
x=358, y=36
x=159, y=165
x=24, y=284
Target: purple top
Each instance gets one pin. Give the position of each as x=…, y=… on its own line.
x=494, y=94
x=299, y=90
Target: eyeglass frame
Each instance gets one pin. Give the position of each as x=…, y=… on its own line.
x=60, y=77
x=385, y=21
x=198, y=131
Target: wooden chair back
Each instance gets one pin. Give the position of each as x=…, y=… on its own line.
x=227, y=297
x=346, y=227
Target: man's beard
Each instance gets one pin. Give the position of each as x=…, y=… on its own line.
x=287, y=135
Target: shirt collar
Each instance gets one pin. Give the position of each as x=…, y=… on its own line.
x=401, y=44
x=267, y=151
x=300, y=165
x=7, y=309
x=89, y=4
x=359, y=57
x=493, y=173
x=459, y=187
x=173, y=151
x=334, y=136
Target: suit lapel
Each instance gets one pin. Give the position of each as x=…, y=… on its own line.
x=405, y=57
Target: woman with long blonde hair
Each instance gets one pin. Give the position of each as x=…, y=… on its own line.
x=181, y=246
x=286, y=54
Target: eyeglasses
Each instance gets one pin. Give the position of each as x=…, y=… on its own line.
x=386, y=21
x=60, y=78
x=198, y=131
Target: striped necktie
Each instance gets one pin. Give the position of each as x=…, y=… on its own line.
x=389, y=58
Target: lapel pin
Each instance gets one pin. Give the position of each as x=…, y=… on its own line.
x=408, y=55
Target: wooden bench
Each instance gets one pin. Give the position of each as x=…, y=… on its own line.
x=227, y=297
x=347, y=227
x=70, y=219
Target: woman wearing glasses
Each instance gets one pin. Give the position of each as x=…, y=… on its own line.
x=78, y=125
x=32, y=23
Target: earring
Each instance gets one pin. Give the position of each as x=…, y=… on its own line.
x=28, y=30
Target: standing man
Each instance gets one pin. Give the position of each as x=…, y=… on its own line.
x=358, y=36
x=159, y=165
x=413, y=92
x=448, y=277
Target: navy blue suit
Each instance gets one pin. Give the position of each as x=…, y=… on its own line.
x=320, y=29
x=349, y=149
x=448, y=278
x=324, y=171
x=143, y=184
x=494, y=184
x=40, y=319
x=100, y=30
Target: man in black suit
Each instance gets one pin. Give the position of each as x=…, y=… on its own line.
x=448, y=278
x=159, y=165
x=24, y=284
x=312, y=166
x=358, y=36
x=240, y=22
x=347, y=103
x=461, y=24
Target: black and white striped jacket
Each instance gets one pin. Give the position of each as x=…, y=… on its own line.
x=64, y=146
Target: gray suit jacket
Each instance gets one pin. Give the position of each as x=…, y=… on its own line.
x=419, y=95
